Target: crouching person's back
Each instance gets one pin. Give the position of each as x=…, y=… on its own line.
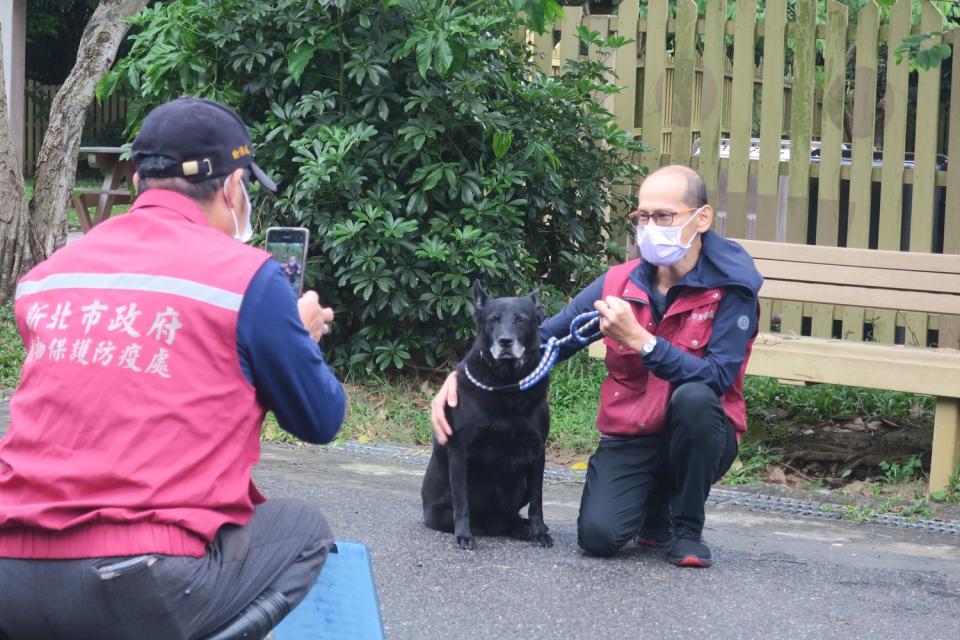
x=155, y=345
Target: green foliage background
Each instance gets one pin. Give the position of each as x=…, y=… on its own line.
x=416, y=142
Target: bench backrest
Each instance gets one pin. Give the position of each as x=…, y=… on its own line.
x=918, y=283
x=901, y=281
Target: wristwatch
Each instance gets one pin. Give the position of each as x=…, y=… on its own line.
x=649, y=346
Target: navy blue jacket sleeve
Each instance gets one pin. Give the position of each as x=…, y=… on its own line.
x=558, y=326
x=282, y=361
x=733, y=327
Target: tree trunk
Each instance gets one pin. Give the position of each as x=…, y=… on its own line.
x=14, y=223
x=30, y=234
x=57, y=162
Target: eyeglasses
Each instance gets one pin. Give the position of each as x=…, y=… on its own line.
x=660, y=217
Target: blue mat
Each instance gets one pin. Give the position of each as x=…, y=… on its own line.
x=342, y=604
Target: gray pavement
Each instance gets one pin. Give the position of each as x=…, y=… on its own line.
x=776, y=575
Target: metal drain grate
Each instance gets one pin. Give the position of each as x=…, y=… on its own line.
x=827, y=510
x=758, y=501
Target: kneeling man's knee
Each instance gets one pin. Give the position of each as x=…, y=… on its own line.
x=693, y=397
x=598, y=538
x=694, y=410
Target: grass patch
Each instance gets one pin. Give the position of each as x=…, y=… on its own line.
x=752, y=461
x=574, y=398
x=769, y=402
x=394, y=410
x=12, y=352
x=272, y=432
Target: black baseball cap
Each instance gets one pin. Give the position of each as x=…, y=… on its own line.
x=204, y=139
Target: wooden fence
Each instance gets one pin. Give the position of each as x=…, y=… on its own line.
x=854, y=183
x=101, y=118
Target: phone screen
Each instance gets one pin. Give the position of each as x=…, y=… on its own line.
x=288, y=245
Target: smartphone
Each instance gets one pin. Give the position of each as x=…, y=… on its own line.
x=288, y=245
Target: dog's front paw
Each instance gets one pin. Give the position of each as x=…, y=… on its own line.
x=542, y=539
x=466, y=542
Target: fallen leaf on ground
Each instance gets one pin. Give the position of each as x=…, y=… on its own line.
x=777, y=476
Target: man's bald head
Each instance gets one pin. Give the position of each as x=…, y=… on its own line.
x=678, y=176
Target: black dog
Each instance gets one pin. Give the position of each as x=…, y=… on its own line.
x=493, y=464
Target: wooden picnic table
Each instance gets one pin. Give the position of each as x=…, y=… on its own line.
x=110, y=193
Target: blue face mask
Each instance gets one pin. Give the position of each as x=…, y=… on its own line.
x=247, y=232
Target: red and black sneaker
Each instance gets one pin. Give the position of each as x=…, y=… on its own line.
x=689, y=552
x=654, y=538
x=656, y=532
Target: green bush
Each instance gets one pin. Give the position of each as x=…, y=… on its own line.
x=416, y=142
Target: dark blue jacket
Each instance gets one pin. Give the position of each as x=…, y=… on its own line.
x=722, y=263
x=283, y=362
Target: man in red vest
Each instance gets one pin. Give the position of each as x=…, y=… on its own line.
x=678, y=326
x=155, y=345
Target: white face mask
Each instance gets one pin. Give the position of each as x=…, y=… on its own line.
x=247, y=232
x=662, y=245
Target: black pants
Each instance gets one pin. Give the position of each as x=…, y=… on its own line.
x=631, y=481
x=163, y=597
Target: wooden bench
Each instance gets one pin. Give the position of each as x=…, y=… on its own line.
x=922, y=290
x=110, y=193
x=101, y=200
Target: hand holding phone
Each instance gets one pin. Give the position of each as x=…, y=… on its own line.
x=288, y=245
x=316, y=319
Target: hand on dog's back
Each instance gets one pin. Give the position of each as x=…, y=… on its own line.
x=446, y=397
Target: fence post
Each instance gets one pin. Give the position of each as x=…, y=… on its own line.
x=711, y=108
x=801, y=129
x=950, y=325
x=654, y=79
x=831, y=127
x=569, y=40
x=771, y=121
x=925, y=140
x=741, y=125
x=894, y=133
x=863, y=127
x=920, y=229
x=625, y=102
x=683, y=78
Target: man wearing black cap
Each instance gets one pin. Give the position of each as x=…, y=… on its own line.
x=155, y=345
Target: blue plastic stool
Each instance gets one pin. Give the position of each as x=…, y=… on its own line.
x=343, y=603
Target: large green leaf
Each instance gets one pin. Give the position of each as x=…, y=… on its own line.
x=298, y=60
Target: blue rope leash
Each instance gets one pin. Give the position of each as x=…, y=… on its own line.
x=579, y=326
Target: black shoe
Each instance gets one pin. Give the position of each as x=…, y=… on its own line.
x=656, y=532
x=654, y=538
x=688, y=550
x=256, y=621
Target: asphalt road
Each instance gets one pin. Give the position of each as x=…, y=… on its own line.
x=775, y=576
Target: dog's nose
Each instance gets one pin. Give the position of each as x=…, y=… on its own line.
x=506, y=343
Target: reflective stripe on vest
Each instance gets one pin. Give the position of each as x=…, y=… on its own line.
x=135, y=282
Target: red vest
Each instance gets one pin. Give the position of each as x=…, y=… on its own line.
x=633, y=401
x=134, y=429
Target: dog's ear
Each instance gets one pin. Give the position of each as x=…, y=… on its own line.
x=535, y=299
x=479, y=296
